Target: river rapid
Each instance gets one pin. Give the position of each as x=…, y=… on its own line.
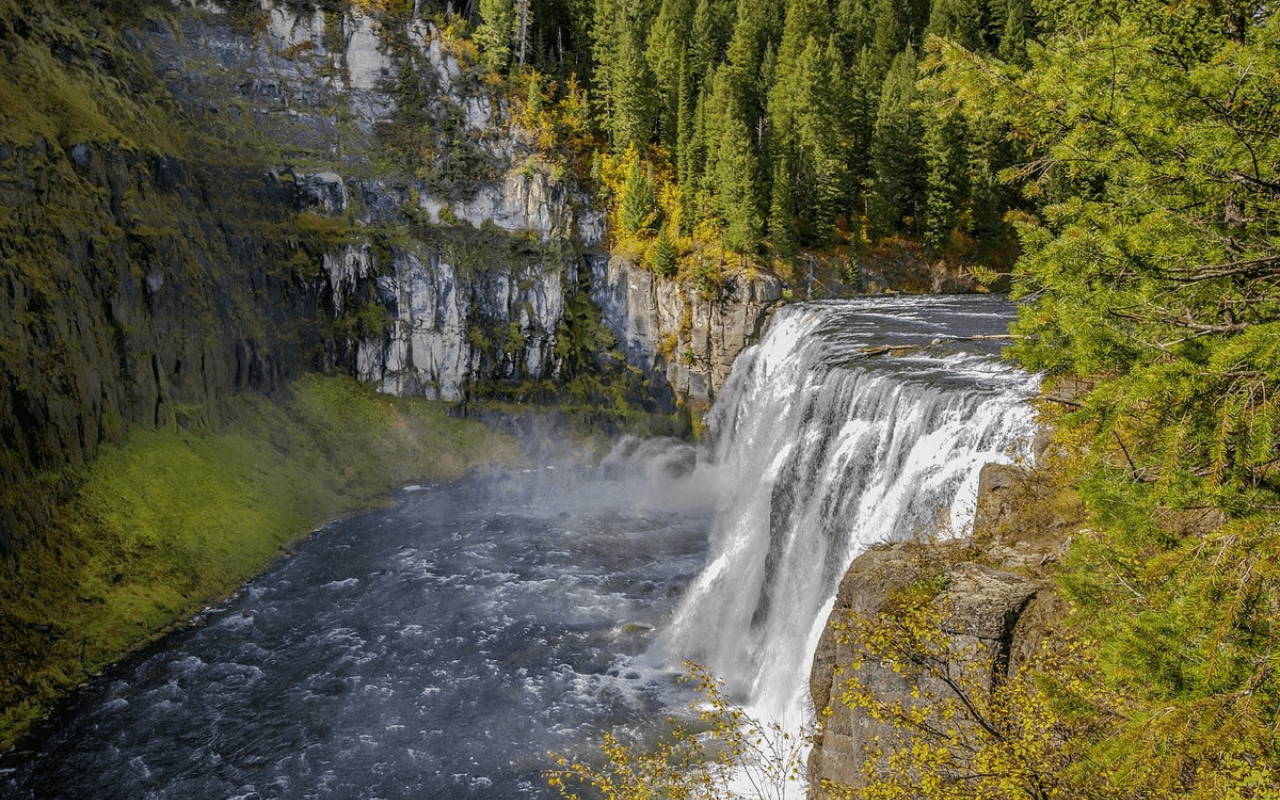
x=442, y=647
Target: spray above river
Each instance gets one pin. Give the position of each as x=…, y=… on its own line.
x=441, y=648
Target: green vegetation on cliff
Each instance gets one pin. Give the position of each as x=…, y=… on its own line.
x=1150, y=280
x=173, y=520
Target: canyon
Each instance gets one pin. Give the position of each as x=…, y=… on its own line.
x=337, y=194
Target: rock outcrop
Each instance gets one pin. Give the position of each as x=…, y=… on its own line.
x=464, y=305
x=675, y=330
x=996, y=605
x=452, y=230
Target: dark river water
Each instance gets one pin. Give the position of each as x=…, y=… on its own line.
x=437, y=649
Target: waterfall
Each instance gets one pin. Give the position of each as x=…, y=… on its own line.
x=821, y=451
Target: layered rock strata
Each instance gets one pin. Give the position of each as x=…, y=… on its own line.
x=316, y=189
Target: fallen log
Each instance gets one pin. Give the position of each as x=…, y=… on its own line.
x=899, y=349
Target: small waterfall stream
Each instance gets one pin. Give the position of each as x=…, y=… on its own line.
x=440, y=648
x=823, y=451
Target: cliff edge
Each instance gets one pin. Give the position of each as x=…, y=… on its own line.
x=992, y=594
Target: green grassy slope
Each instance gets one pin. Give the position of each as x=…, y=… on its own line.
x=173, y=520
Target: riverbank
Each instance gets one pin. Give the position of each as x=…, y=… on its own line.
x=157, y=529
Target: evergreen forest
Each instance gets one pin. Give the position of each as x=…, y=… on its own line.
x=766, y=132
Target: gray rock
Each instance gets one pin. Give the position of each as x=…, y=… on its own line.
x=981, y=610
x=669, y=328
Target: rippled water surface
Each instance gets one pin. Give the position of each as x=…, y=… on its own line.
x=438, y=649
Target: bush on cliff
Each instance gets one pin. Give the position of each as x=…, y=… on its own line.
x=1151, y=267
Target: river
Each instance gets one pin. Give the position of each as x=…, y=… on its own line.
x=442, y=647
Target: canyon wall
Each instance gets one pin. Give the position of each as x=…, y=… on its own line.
x=223, y=196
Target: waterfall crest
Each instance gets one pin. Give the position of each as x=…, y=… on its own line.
x=820, y=452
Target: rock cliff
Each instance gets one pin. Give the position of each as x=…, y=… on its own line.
x=220, y=196
x=675, y=330
x=452, y=248
x=469, y=240
x=997, y=603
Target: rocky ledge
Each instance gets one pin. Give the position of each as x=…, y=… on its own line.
x=998, y=602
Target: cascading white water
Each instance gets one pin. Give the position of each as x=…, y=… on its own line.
x=822, y=451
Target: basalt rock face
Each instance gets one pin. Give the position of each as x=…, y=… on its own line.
x=982, y=606
x=467, y=240
x=451, y=248
x=677, y=330
x=997, y=606
x=258, y=230
x=136, y=291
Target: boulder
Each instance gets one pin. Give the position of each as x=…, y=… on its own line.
x=981, y=608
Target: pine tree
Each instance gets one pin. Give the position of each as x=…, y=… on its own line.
x=664, y=255
x=737, y=188
x=533, y=97
x=961, y=21
x=863, y=105
x=853, y=25
x=987, y=203
x=820, y=121
x=946, y=165
x=686, y=119
x=494, y=33
x=898, y=168
x=639, y=210
x=1016, y=32
x=1145, y=263
x=746, y=55
x=715, y=107
x=805, y=20
x=666, y=51
x=898, y=24
x=782, y=209
x=634, y=92
x=712, y=27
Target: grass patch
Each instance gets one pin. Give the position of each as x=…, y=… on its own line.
x=175, y=520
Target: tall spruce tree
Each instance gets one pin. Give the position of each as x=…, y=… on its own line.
x=783, y=217
x=961, y=21
x=745, y=60
x=946, y=174
x=493, y=35
x=1017, y=29
x=633, y=89
x=665, y=51
x=896, y=159
x=854, y=25
x=738, y=188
